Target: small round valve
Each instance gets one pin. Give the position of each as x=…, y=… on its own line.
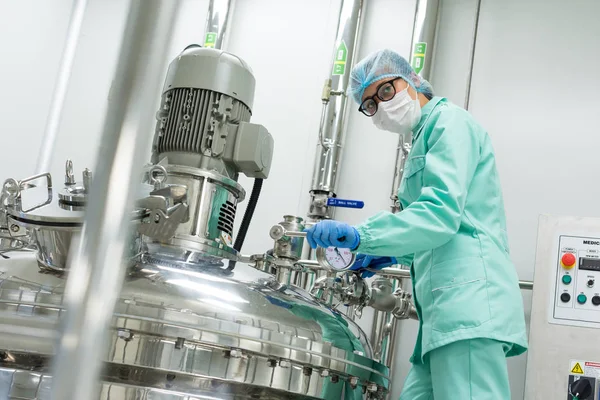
x=277, y=232
x=568, y=260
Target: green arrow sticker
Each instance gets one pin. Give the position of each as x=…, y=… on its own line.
x=210, y=39
x=418, y=57
x=339, y=62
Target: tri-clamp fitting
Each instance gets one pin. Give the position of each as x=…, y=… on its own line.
x=384, y=298
x=348, y=289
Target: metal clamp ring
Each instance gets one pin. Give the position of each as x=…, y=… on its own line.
x=157, y=175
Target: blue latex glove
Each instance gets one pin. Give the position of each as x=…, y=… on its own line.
x=364, y=261
x=332, y=234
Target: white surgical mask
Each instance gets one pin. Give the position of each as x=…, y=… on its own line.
x=400, y=115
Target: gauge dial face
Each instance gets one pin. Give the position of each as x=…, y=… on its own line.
x=339, y=259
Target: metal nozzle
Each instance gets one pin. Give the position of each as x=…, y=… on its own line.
x=87, y=180
x=69, y=177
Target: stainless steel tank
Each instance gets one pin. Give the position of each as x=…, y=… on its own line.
x=188, y=324
x=190, y=332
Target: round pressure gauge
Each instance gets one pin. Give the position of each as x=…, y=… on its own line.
x=335, y=259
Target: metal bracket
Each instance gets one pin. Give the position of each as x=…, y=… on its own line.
x=163, y=219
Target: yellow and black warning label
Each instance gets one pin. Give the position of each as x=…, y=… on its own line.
x=576, y=369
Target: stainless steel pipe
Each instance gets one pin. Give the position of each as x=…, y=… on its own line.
x=421, y=56
x=60, y=90
x=332, y=127
x=96, y=267
x=217, y=22
x=472, y=56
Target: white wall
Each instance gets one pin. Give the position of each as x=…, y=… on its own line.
x=534, y=83
x=31, y=38
x=534, y=87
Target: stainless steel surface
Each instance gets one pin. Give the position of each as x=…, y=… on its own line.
x=44, y=219
x=289, y=246
x=60, y=90
x=347, y=289
x=37, y=205
x=404, y=146
x=233, y=186
x=12, y=188
x=87, y=179
x=333, y=118
x=8, y=243
x=40, y=205
x=217, y=23
x=278, y=231
x=472, y=55
x=53, y=246
x=388, y=356
x=190, y=329
x=424, y=31
x=211, y=202
x=405, y=274
x=74, y=193
x=96, y=271
x=35, y=217
x=69, y=176
x=526, y=285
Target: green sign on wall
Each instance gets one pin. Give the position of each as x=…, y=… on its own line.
x=339, y=63
x=210, y=39
x=418, y=57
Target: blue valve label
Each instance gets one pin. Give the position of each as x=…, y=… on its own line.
x=333, y=202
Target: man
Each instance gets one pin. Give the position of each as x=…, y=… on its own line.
x=452, y=231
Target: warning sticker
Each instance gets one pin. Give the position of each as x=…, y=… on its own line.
x=577, y=368
x=586, y=368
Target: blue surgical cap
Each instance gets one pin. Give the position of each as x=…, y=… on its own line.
x=384, y=64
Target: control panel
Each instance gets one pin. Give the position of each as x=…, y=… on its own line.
x=563, y=359
x=577, y=287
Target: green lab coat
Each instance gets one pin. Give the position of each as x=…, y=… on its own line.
x=452, y=229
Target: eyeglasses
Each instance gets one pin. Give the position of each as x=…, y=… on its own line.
x=385, y=92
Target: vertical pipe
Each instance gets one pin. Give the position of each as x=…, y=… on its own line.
x=332, y=130
x=426, y=16
x=60, y=90
x=96, y=262
x=391, y=345
x=216, y=23
x=376, y=334
x=472, y=57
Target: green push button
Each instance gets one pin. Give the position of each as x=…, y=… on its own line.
x=581, y=299
x=566, y=279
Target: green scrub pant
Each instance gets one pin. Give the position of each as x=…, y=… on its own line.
x=464, y=370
